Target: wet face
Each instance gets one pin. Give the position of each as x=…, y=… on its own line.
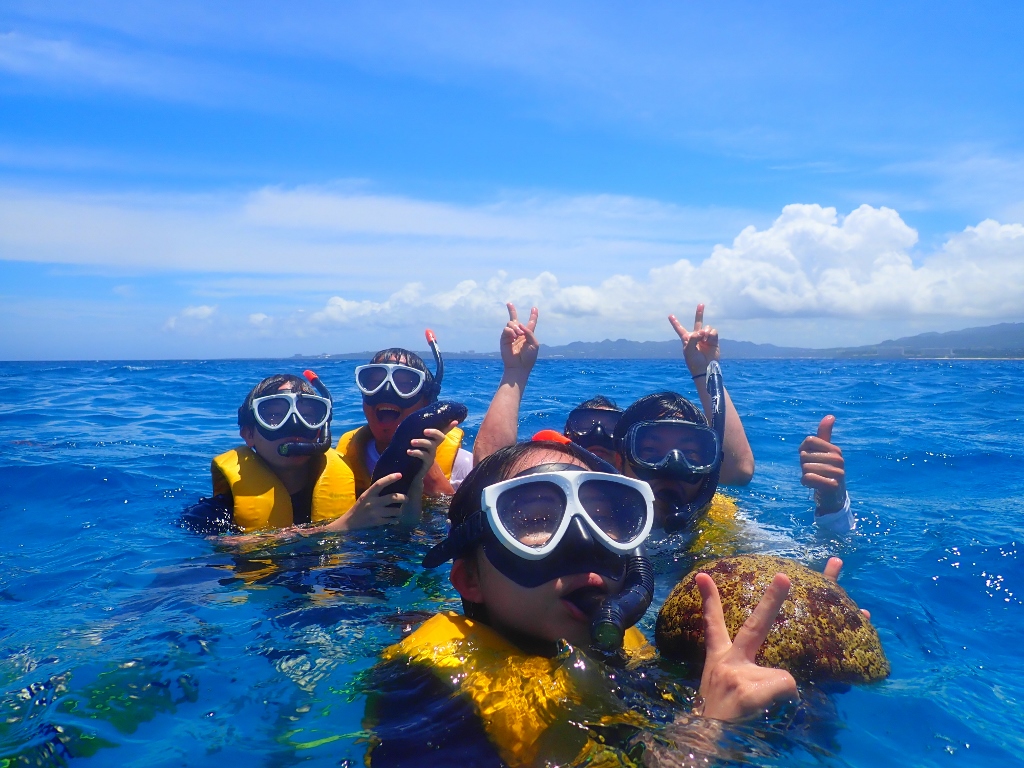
x=668, y=494
x=267, y=449
x=384, y=418
x=545, y=612
x=612, y=457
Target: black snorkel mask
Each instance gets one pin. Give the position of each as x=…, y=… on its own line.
x=682, y=451
x=399, y=384
x=294, y=426
x=534, y=529
x=592, y=427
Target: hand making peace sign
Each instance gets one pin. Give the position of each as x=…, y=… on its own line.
x=700, y=346
x=733, y=685
x=519, y=347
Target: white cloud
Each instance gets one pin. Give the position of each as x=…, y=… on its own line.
x=186, y=77
x=601, y=265
x=365, y=238
x=809, y=262
x=190, y=317
x=201, y=312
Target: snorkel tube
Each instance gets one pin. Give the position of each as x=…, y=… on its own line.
x=323, y=440
x=612, y=616
x=439, y=371
x=683, y=515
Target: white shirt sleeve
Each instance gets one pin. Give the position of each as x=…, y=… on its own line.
x=460, y=468
x=840, y=521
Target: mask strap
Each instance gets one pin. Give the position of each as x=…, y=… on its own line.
x=460, y=539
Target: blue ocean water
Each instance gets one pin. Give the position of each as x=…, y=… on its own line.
x=125, y=640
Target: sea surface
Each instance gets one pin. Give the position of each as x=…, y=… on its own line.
x=126, y=640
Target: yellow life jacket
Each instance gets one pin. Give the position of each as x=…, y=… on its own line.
x=716, y=532
x=352, y=447
x=521, y=699
x=261, y=502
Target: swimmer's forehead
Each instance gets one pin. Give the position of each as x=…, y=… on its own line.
x=393, y=357
x=544, y=456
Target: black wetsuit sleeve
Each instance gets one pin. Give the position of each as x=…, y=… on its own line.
x=417, y=721
x=210, y=517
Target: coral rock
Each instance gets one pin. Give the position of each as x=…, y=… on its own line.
x=819, y=635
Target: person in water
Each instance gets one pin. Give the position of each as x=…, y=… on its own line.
x=591, y=425
x=548, y=560
x=394, y=384
x=666, y=440
x=286, y=474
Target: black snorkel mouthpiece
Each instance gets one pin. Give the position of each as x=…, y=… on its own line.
x=439, y=370
x=323, y=439
x=615, y=615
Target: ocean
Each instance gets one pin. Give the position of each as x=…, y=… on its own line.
x=126, y=640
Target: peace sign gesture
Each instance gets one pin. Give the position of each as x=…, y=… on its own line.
x=733, y=686
x=700, y=346
x=519, y=347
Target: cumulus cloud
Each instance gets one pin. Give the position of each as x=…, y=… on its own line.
x=810, y=262
x=603, y=264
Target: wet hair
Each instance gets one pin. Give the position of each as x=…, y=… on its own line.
x=411, y=359
x=501, y=465
x=599, y=401
x=660, y=405
x=268, y=386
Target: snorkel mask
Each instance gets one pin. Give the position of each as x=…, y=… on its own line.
x=558, y=519
x=295, y=414
x=400, y=384
x=684, y=451
x=592, y=427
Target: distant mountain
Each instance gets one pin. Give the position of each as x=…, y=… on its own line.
x=1005, y=340
x=1002, y=336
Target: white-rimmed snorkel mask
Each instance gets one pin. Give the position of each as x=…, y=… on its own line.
x=277, y=414
x=559, y=519
x=397, y=383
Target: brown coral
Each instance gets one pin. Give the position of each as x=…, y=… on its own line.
x=819, y=634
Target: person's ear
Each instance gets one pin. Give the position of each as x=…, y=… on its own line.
x=466, y=580
x=246, y=433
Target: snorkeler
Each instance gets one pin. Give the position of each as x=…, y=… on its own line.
x=666, y=440
x=287, y=474
x=395, y=384
x=591, y=425
x=519, y=347
x=546, y=550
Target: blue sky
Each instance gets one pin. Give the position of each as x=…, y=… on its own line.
x=191, y=179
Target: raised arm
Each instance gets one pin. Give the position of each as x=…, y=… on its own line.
x=700, y=347
x=519, y=347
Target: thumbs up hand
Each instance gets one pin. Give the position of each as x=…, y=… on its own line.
x=823, y=468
